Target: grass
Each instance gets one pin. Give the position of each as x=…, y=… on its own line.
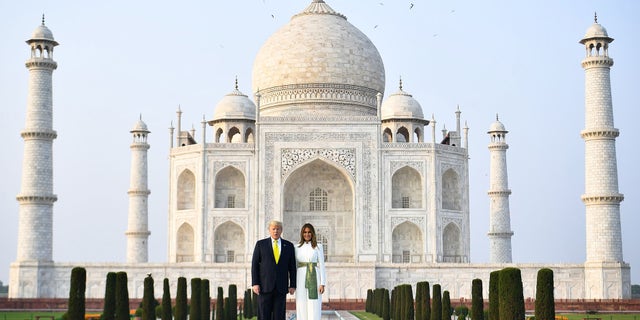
x=30, y=315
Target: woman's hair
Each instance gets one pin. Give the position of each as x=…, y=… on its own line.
x=314, y=240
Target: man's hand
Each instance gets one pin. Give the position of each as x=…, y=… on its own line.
x=292, y=290
x=256, y=289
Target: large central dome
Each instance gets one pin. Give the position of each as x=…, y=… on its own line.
x=320, y=64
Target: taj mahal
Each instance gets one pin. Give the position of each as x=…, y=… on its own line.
x=317, y=141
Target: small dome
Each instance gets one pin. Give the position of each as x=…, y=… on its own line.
x=42, y=33
x=497, y=126
x=140, y=126
x=401, y=105
x=233, y=106
x=596, y=31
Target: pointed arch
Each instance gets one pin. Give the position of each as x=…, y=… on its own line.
x=248, y=135
x=229, y=188
x=219, y=135
x=418, y=135
x=185, y=246
x=229, y=243
x=406, y=188
x=387, y=135
x=234, y=135
x=452, y=243
x=451, y=191
x=402, y=135
x=186, y=197
x=407, y=243
x=321, y=193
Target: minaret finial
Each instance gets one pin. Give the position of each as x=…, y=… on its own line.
x=236, y=82
x=497, y=119
x=140, y=116
x=595, y=17
x=400, y=83
x=43, y=19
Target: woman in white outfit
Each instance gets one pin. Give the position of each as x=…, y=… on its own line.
x=311, y=276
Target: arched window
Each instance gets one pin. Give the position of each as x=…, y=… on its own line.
x=229, y=188
x=402, y=135
x=387, y=136
x=406, y=188
x=451, y=194
x=185, y=246
x=318, y=200
x=234, y=135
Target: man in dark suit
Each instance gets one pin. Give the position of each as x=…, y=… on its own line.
x=273, y=273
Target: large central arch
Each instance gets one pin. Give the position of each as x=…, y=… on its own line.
x=321, y=194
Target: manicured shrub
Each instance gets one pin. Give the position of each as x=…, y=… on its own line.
x=436, y=303
x=545, y=304
x=220, y=305
x=76, y=294
x=369, y=301
x=246, y=304
x=510, y=294
x=122, y=296
x=109, y=309
x=461, y=312
x=205, y=300
x=385, y=305
x=446, y=306
x=232, y=304
x=494, y=297
x=423, y=301
x=166, y=300
x=148, y=300
x=195, y=310
x=477, y=302
x=181, y=299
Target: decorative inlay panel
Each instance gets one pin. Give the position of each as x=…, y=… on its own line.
x=291, y=158
x=418, y=165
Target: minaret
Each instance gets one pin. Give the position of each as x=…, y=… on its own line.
x=601, y=196
x=138, y=226
x=36, y=198
x=500, y=218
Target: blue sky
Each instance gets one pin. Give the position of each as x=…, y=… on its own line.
x=119, y=59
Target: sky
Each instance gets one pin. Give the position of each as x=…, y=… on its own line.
x=119, y=60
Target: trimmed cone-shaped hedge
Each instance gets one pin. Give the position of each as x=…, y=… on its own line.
x=477, y=302
x=246, y=304
x=494, y=296
x=76, y=294
x=220, y=304
x=446, y=306
x=385, y=305
x=148, y=300
x=436, y=303
x=232, y=313
x=254, y=302
x=166, y=301
x=109, y=310
x=369, y=302
x=181, y=300
x=545, y=304
x=205, y=300
x=195, y=310
x=423, y=301
x=511, y=294
x=122, y=296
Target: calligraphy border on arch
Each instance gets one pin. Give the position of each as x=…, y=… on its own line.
x=292, y=158
x=417, y=165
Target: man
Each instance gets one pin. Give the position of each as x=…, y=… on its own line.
x=273, y=273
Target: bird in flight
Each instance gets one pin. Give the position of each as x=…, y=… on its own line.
x=411, y=5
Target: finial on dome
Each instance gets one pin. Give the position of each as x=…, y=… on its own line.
x=595, y=17
x=236, y=82
x=43, y=19
x=400, y=83
x=497, y=117
x=140, y=116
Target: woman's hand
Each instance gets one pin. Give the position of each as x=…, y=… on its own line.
x=321, y=289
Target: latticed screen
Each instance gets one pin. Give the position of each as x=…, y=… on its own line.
x=318, y=200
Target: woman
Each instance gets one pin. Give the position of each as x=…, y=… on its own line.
x=311, y=276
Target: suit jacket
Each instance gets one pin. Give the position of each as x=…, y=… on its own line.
x=269, y=275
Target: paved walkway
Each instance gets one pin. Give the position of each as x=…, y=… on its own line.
x=328, y=315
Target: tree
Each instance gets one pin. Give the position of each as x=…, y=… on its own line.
x=205, y=299
x=436, y=303
x=385, y=305
x=122, y=296
x=181, y=299
x=195, y=311
x=446, y=306
x=545, y=304
x=76, y=294
x=494, y=297
x=166, y=300
x=246, y=305
x=369, y=302
x=477, y=302
x=109, y=310
x=511, y=294
x=423, y=301
x=232, y=303
x=220, y=305
x=148, y=300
